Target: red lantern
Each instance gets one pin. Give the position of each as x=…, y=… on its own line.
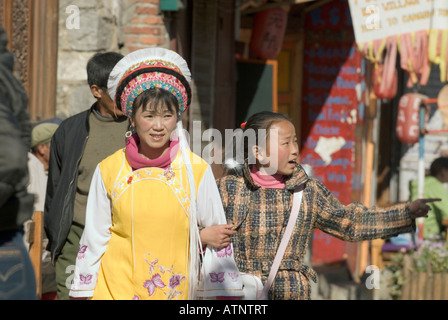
x=268, y=31
x=407, y=129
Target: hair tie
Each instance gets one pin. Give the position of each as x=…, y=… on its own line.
x=243, y=125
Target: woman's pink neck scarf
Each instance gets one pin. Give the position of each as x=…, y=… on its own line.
x=276, y=181
x=137, y=161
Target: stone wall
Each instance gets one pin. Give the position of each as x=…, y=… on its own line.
x=90, y=26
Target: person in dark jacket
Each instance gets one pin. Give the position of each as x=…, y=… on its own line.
x=16, y=204
x=79, y=144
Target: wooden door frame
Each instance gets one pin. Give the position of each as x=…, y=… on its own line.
x=225, y=67
x=32, y=29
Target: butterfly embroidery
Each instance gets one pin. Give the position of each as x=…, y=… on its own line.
x=87, y=279
x=224, y=252
x=81, y=252
x=234, y=276
x=217, y=277
x=154, y=283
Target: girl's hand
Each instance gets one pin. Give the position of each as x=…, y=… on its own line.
x=217, y=236
x=419, y=208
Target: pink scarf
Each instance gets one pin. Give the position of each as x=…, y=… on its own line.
x=276, y=181
x=137, y=161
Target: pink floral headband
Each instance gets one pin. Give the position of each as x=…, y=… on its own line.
x=137, y=82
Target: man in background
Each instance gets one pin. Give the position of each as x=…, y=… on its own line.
x=38, y=162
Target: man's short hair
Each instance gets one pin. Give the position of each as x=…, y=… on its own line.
x=100, y=66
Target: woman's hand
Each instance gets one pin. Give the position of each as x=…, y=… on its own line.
x=217, y=236
x=419, y=207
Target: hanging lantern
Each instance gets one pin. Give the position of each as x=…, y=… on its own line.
x=268, y=31
x=407, y=129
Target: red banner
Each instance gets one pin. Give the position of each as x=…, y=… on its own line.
x=332, y=108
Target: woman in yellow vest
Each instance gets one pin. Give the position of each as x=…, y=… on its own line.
x=154, y=210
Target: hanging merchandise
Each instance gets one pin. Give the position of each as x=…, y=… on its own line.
x=413, y=49
x=438, y=51
x=384, y=75
x=420, y=27
x=268, y=31
x=407, y=128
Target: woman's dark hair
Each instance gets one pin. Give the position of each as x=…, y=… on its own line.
x=259, y=121
x=156, y=97
x=99, y=68
x=437, y=166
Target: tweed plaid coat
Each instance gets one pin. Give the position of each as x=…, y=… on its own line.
x=261, y=215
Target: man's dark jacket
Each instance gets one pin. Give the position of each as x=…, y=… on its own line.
x=67, y=146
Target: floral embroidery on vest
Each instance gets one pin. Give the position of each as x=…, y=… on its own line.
x=156, y=282
x=169, y=173
x=167, y=176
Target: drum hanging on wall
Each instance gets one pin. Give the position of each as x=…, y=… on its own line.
x=407, y=128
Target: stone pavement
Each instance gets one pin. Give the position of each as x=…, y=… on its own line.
x=336, y=283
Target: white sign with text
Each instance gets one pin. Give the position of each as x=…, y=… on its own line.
x=379, y=19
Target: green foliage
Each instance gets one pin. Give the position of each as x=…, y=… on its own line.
x=431, y=254
x=396, y=269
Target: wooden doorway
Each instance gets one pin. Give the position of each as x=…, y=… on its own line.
x=32, y=29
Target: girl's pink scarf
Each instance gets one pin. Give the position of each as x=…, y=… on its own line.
x=276, y=181
x=137, y=161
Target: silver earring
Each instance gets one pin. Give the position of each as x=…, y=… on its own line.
x=128, y=134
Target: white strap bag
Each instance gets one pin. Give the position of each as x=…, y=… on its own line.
x=252, y=286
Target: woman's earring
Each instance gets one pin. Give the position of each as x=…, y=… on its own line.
x=128, y=134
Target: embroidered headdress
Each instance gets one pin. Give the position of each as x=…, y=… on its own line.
x=150, y=68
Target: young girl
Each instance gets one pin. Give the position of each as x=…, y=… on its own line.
x=259, y=205
x=148, y=201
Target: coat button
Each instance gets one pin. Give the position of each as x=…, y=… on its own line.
x=254, y=234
